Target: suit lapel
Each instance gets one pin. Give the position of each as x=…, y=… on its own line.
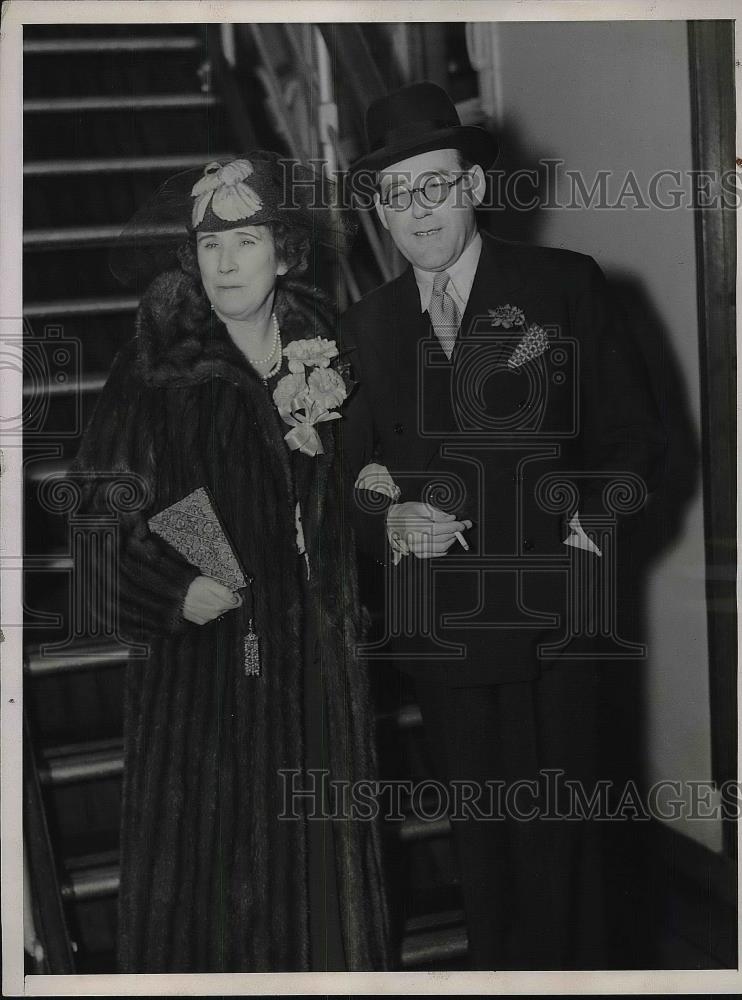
x=497, y=282
x=397, y=345
x=409, y=377
x=409, y=329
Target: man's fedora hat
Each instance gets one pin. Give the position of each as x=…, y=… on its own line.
x=416, y=119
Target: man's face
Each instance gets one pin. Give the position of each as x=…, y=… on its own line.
x=431, y=236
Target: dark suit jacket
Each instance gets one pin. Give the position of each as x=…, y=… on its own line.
x=496, y=444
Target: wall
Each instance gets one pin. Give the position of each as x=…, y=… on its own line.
x=616, y=96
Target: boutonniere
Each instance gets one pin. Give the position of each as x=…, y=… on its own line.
x=533, y=341
x=305, y=400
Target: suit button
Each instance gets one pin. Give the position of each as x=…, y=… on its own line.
x=398, y=429
x=528, y=545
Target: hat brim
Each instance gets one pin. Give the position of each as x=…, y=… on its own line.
x=474, y=142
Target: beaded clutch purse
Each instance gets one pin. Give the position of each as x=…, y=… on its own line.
x=193, y=528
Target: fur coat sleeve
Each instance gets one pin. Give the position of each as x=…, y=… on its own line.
x=147, y=599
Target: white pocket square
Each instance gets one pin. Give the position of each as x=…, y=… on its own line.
x=578, y=539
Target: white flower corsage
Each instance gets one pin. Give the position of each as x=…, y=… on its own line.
x=534, y=340
x=316, y=352
x=304, y=402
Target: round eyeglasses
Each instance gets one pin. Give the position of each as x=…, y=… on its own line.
x=433, y=191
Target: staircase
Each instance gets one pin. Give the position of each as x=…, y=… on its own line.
x=110, y=112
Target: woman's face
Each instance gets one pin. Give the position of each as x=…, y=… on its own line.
x=238, y=270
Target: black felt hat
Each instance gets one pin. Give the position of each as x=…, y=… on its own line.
x=417, y=119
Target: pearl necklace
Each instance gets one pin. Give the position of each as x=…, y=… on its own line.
x=276, y=346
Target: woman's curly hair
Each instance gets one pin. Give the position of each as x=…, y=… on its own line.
x=292, y=245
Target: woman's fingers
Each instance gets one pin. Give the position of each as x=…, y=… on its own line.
x=218, y=591
x=207, y=599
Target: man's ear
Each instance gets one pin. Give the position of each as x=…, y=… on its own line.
x=478, y=185
x=380, y=210
x=281, y=268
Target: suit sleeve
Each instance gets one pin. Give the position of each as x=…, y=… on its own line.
x=621, y=429
x=147, y=598
x=359, y=442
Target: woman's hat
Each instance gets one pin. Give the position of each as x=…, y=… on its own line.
x=253, y=190
x=242, y=192
x=417, y=119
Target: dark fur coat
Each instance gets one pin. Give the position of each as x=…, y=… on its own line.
x=211, y=879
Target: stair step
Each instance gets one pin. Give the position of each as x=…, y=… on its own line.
x=433, y=921
x=81, y=307
x=414, y=829
x=434, y=946
x=85, y=236
x=40, y=471
x=86, y=383
x=82, y=762
x=133, y=102
x=46, y=168
x=84, y=656
x=406, y=717
x=92, y=883
x=63, y=46
x=39, y=564
x=103, y=29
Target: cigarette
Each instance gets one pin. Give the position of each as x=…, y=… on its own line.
x=462, y=541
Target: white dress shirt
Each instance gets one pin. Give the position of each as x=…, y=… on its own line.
x=461, y=274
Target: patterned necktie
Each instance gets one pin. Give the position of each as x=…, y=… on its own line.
x=444, y=314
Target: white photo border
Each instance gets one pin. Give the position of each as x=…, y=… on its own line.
x=16, y=13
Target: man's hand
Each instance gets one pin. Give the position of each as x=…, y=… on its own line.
x=206, y=600
x=422, y=530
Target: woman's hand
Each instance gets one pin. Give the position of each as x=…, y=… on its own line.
x=206, y=600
